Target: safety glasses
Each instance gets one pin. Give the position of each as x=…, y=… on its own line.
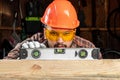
x=55, y=35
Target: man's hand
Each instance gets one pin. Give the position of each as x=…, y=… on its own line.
x=33, y=44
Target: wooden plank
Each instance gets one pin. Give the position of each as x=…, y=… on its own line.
x=101, y=29
x=10, y=28
x=59, y=70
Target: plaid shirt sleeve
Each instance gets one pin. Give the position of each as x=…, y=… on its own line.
x=83, y=43
x=14, y=53
x=78, y=42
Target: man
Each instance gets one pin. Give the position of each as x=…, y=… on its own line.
x=60, y=22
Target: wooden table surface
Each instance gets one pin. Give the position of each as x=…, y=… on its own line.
x=60, y=69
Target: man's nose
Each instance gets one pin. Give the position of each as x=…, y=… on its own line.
x=60, y=40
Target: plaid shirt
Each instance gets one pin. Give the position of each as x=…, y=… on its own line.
x=77, y=42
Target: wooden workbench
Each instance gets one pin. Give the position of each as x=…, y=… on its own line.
x=59, y=70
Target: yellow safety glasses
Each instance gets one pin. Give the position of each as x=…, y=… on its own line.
x=55, y=35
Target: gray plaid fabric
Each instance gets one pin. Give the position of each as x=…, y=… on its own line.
x=77, y=42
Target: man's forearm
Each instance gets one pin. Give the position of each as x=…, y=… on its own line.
x=14, y=53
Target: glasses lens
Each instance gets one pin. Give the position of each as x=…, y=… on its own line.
x=54, y=35
x=68, y=35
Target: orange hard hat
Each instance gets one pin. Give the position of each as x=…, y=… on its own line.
x=60, y=14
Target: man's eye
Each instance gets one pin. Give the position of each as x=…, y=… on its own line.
x=53, y=33
x=66, y=33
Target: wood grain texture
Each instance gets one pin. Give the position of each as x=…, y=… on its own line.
x=59, y=70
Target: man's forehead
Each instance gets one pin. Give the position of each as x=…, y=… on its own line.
x=62, y=30
x=57, y=29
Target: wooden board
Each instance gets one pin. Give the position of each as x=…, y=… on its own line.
x=59, y=70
